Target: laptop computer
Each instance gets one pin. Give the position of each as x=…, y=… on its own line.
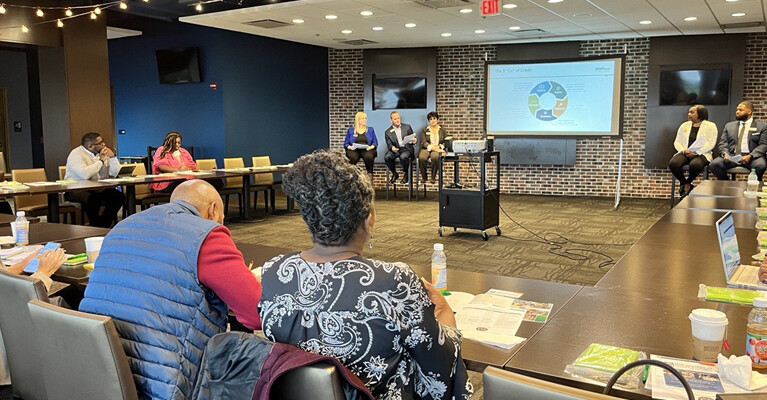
x=125, y=170
x=735, y=273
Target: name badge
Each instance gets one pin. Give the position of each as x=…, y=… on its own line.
x=752, y=129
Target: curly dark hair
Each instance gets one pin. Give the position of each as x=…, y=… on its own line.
x=334, y=196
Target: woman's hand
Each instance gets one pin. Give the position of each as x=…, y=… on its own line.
x=370, y=148
x=442, y=310
x=18, y=267
x=350, y=147
x=50, y=261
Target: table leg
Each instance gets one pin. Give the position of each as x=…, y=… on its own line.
x=53, y=207
x=245, y=212
x=130, y=199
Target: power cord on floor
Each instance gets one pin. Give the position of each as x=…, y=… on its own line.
x=559, y=242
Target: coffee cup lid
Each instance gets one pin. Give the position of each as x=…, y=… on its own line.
x=708, y=316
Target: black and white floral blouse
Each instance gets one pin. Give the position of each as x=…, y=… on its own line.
x=376, y=317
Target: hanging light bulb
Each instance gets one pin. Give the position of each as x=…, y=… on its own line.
x=123, y=6
x=68, y=12
x=39, y=13
x=145, y=1
x=198, y=7
x=24, y=29
x=2, y=9
x=59, y=23
x=97, y=10
x=93, y=15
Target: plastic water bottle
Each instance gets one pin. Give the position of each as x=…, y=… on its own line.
x=756, y=334
x=22, y=229
x=753, y=182
x=439, y=267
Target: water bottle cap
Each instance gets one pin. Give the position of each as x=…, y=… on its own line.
x=20, y=213
x=438, y=247
x=760, y=302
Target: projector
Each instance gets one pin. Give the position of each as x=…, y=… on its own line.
x=468, y=146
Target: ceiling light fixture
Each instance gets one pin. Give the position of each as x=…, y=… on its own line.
x=447, y=34
x=93, y=15
x=377, y=28
x=730, y=1
x=410, y=25
x=514, y=28
x=97, y=11
x=59, y=24
x=478, y=31
x=346, y=31
x=39, y=13
x=691, y=19
x=198, y=7
x=298, y=21
x=366, y=13
x=465, y=10
x=555, y=1
x=123, y=6
x=68, y=12
x=331, y=17
x=741, y=14
x=2, y=9
x=645, y=22
x=24, y=29
x=509, y=6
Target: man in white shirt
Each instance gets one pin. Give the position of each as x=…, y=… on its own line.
x=93, y=160
x=747, y=138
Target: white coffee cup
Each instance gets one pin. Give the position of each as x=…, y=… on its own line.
x=92, y=248
x=708, y=331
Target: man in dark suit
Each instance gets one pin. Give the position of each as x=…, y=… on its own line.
x=397, y=146
x=746, y=137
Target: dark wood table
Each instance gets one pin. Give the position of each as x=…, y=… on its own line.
x=45, y=232
x=53, y=193
x=708, y=217
x=711, y=188
x=734, y=204
x=6, y=219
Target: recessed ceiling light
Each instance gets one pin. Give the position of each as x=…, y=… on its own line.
x=739, y=14
x=479, y=31
x=346, y=31
x=645, y=22
x=509, y=6
x=377, y=28
x=555, y=1
x=691, y=18
x=298, y=21
x=447, y=34
x=514, y=28
x=331, y=16
x=465, y=10
x=366, y=13
x=583, y=14
x=410, y=25
x=731, y=1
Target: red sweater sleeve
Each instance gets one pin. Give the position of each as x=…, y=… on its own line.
x=222, y=269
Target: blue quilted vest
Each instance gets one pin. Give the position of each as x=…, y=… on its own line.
x=145, y=278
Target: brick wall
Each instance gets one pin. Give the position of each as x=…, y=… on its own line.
x=460, y=96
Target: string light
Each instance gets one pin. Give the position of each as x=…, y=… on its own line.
x=93, y=10
x=2, y=9
x=59, y=23
x=93, y=15
x=123, y=6
x=24, y=29
x=97, y=10
x=198, y=7
x=145, y=1
x=68, y=12
x=40, y=13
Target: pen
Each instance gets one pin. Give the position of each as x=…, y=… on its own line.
x=646, y=371
x=78, y=255
x=250, y=266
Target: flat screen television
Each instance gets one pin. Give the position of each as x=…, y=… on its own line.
x=695, y=86
x=178, y=65
x=399, y=93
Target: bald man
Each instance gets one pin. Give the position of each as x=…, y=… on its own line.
x=168, y=277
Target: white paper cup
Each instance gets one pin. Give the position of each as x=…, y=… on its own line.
x=708, y=331
x=13, y=230
x=92, y=248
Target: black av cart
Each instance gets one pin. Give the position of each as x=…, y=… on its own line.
x=470, y=205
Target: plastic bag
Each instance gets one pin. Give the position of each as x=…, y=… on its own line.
x=729, y=295
x=599, y=362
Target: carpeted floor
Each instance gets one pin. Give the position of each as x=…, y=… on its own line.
x=405, y=231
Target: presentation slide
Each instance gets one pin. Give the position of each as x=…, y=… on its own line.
x=569, y=98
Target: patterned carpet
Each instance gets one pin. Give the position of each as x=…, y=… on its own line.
x=405, y=231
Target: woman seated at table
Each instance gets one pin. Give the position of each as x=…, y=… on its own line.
x=694, y=141
x=432, y=145
x=361, y=142
x=171, y=157
x=392, y=329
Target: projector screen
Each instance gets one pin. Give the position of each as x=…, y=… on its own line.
x=576, y=97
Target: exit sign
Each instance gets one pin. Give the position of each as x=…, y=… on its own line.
x=489, y=7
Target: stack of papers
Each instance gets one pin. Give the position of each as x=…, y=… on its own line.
x=19, y=253
x=42, y=183
x=703, y=378
x=13, y=185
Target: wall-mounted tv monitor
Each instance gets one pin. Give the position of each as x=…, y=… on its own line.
x=399, y=93
x=178, y=65
x=580, y=97
x=695, y=86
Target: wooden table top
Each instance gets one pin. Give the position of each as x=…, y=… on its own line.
x=734, y=204
x=708, y=217
x=58, y=188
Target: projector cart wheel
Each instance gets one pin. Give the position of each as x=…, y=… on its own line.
x=498, y=231
x=439, y=231
x=484, y=236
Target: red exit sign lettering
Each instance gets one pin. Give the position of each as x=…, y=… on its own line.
x=489, y=7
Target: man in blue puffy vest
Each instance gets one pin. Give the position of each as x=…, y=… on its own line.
x=168, y=276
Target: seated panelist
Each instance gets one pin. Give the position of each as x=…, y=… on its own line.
x=746, y=137
x=171, y=157
x=392, y=329
x=694, y=141
x=432, y=145
x=397, y=148
x=361, y=142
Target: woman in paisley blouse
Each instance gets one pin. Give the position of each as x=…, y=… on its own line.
x=392, y=329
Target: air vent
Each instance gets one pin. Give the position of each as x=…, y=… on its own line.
x=743, y=25
x=359, y=42
x=267, y=23
x=528, y=33
x=445, y=3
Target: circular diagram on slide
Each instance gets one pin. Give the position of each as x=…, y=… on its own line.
x=547, y=101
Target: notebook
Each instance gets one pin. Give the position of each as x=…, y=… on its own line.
x=735, y=273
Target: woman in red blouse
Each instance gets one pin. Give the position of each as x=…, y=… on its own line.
x=171, y=157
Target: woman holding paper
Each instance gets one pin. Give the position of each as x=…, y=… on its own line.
x=388, y=326
x=171, y=157
x=361, y=142
x=432, y=146
x=694, y=141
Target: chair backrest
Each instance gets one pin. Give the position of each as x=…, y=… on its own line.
x=233, y=163
x=263, y=179
x=190, y=149
x=318, y=382
x=206, y=164
x=84, y=358
x=140, y=170
x=21, y=347
x=3, y=167
x=150, y=156
x=30, y=175
x=499, y=384
x=62, y=171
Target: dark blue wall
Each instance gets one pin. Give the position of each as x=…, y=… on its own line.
x=272, y=96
